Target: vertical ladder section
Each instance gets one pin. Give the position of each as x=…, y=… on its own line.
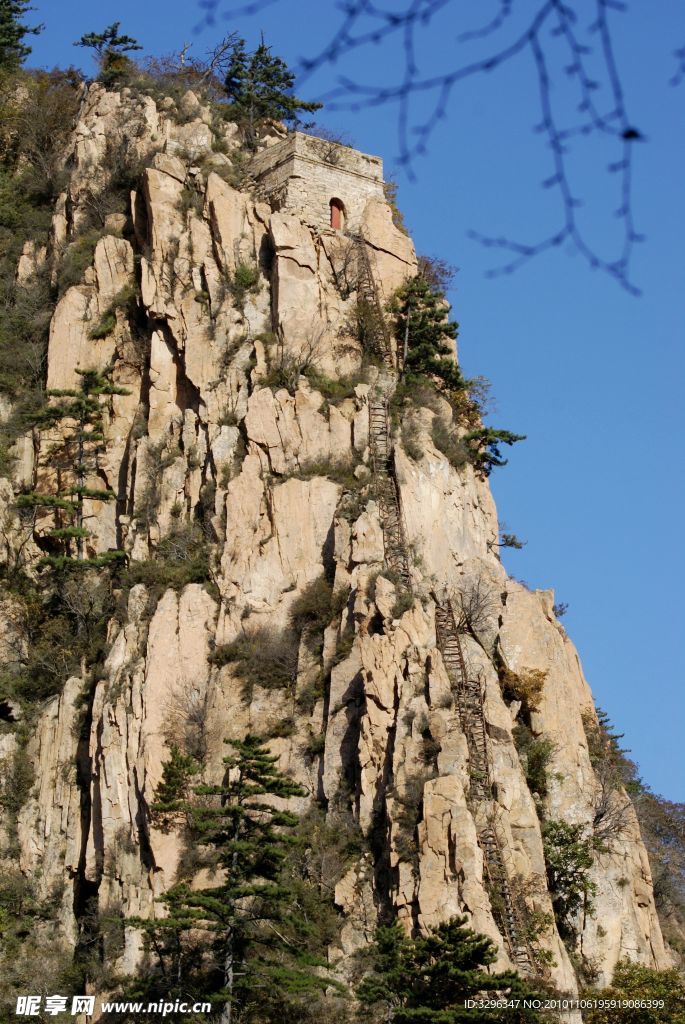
x=505, y=905
x=469, y=702
x=380, y=439
x=469, y=695
x=383, y=465
x=367, y=292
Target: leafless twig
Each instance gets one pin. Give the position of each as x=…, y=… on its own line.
x=553, y=36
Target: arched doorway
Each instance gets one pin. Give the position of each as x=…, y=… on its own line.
x=337, y=214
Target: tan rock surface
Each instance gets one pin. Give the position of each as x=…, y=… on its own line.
x=280, y=482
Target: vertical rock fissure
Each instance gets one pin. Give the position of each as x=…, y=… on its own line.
x=86, y=890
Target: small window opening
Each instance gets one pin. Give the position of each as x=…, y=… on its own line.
x=337, y=214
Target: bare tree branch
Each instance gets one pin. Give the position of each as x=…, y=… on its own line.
x=679, y=75
x=211, y=7
x=560, y=47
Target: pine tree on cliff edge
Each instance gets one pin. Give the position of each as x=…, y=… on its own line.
x=110, y=48
x=259, y=87
x=423, y=326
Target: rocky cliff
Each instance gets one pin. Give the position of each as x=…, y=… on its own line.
x=255, y=428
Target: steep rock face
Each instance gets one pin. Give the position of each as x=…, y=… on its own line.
x=277, y=474
x=624, y=921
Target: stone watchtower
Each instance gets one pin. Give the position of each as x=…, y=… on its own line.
x=328, y=185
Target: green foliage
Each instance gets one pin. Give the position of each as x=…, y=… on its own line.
x=13, y=32
x=32, y=956
x=484, y=445
x=104, y=326
x=16, y=780
x=78, y=256
x=36, y=113
x=422, y=319
x=339, y=471
x=173, y=791
x=311, y=692
x=158, y=457
x=268, y=657
x=283, y=729
x=569, y=858
x=124, y=299
x=59, y=624
x=264, y=657
x=417, y=391
x=110, y=49
x=662, y=825
x=315, y=745
x=16, y=899
x=333, y=389
x=242, y=918
x=432, y=375
x=313, y=607
x=259, y=87
x=182, y=557
x=403, y=602
x=634, y=983
x=615, y=777
x=285, y=366
x=245, y=281
x=75, y=458
x=427, y=979
x=409, y=440
x=390, y=190
x=535, y=753
x=108, y=39
x=408, y=815
x=607, y=756
x=327, y=845
x=510, y=540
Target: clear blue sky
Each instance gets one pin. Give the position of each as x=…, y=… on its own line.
x=593, y=375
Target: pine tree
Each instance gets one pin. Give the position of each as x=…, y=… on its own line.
x=424, y=329
x=569, y=856
x=13, y=31
x=110, y=50
x=239, y=918
x=259, y=87
x=426, y=980
x=172, y=793
x=74, y=458
x=484, y=446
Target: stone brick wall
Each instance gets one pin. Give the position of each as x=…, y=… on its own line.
x=302, y=174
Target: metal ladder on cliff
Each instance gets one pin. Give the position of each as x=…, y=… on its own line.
x=383, y=465
x=469, y=701
x=468, y=691
x=506, y=913
x=367, y=292
x=469, y=697
x=380, y=438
